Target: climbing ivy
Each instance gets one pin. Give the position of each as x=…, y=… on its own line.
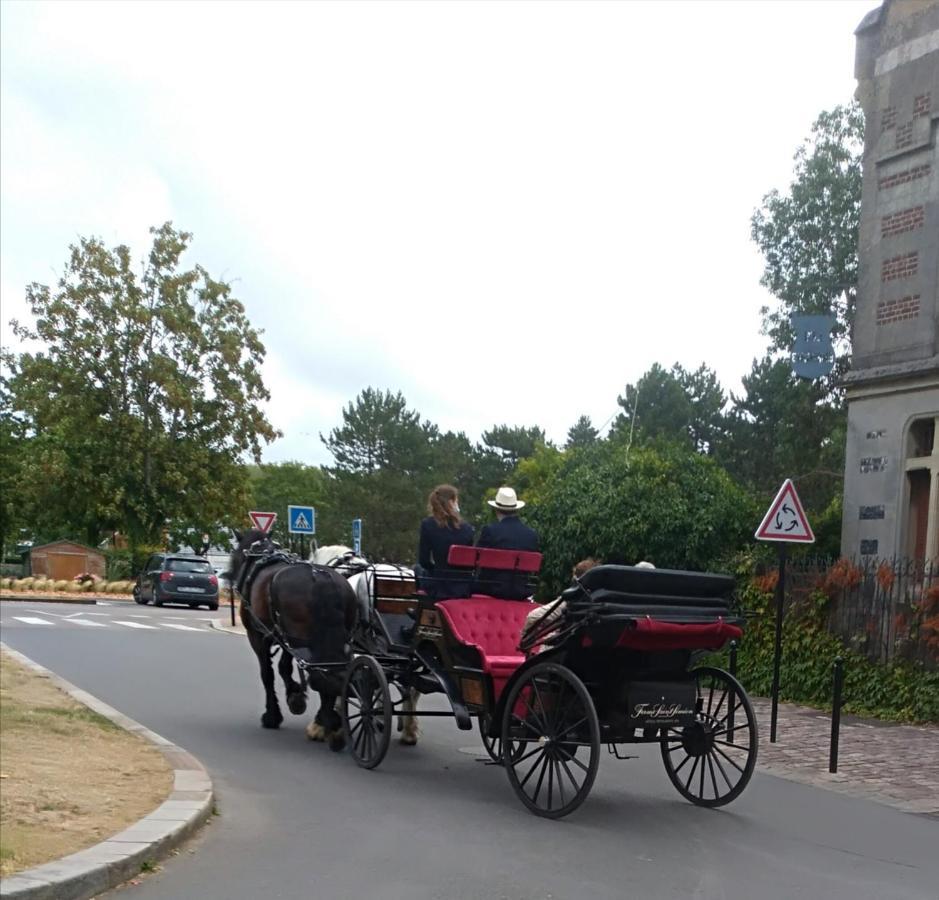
x=903, y=691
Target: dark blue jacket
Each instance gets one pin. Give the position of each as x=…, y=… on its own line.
x=435, y=543
x=510, y=533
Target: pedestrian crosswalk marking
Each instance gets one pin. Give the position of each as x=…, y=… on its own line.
x=180, y=627
x=32, y=620
x=87, y=622
x=135, y=625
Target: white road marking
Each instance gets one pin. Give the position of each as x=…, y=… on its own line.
x=87, y=622
x=137, y=616
x=46, y=612
x=181, y=627
x=103, y=603
x=135, y=625
x=32, y=620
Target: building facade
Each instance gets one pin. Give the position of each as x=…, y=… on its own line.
x=891, y=499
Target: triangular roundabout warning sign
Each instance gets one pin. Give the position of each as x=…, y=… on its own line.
x=263, y=520
x=786, y=519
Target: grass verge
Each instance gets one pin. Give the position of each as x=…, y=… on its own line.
x=69, y=778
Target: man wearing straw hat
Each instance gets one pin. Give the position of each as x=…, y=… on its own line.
x=508, y=532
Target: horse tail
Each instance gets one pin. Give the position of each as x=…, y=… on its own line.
x=332, y=596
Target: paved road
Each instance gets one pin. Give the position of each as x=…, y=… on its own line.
x=432, y=822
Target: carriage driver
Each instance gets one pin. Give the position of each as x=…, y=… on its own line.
x=508, y=532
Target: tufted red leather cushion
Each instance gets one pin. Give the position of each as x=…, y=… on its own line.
x=492, y=627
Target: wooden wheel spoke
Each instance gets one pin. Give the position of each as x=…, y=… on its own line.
x=531, y=771
x=730, y=785
x=713, y=778
x=734, y=764
x=694, y=769
x=572, y=758
x=570, y=728
x=544, y=769
x=684, y=763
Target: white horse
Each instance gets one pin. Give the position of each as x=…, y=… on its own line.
x=362, y=581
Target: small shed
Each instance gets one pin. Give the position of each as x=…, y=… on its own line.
x=63, y=560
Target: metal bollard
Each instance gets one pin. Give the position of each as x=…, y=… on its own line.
x=837, y=682
x=733, y=699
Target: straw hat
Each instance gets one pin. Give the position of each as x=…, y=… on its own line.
x=506, y=501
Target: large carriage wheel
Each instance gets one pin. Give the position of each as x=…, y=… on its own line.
x=711, y=762
x=366, y=711
x=550, y=740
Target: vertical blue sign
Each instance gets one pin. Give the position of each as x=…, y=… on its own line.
x=813, y=355
x=357, y=536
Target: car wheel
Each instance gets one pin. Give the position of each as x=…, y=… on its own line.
x=138, y=598
x=157, y=600
x=213, y=607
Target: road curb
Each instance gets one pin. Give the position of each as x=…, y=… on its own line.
x=221, y=625
x=99, y=868
x=51, y=598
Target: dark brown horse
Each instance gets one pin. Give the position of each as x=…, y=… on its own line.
x=310, y=608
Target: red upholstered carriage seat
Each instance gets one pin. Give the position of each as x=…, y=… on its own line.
x=527, y=561
x=492, y=627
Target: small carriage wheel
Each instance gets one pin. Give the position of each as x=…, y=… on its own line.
x=366, y=711
x=552, y=735
x=711, y=762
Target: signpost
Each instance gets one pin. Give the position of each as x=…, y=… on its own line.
x=263, y=521
x=785, y=522
x=357, y=536
x=301, y=520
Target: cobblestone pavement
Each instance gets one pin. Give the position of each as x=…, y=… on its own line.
x=893, y=764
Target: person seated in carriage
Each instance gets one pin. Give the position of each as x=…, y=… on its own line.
x=508, y=532
x=442, y=528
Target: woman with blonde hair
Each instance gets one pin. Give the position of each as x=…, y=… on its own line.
x=442, y=528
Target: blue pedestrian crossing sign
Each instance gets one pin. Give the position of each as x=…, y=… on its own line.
x=301, y=519
x=357, y=536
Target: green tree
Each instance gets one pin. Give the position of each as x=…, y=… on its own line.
x=666, y=504
x=675, y=406
x=782, y=427
x=512, y=443
x=386, y=461
x=144, y=397
x=582, y=434
x=809, y=234
x=275, y=486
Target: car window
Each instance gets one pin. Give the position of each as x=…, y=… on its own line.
x=153, y=563
x=189, y=565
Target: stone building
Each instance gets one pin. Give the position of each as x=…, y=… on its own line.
x=891, y=500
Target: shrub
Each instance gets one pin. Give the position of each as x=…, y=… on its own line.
x=25, y=584
x=63, y=585
x=673, y=507
x=902, y=691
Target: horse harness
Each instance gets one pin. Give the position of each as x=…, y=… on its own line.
x=258, y=561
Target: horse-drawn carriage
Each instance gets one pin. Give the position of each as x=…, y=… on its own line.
x=612, y=663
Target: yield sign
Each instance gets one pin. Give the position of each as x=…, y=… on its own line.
x=786, y=520
x=263, y=520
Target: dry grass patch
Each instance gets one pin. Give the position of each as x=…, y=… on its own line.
x=70, y=778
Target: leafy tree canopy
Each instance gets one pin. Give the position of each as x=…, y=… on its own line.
x=143, y=399
x=809, y=235
x=668, y=505
x=674, y=406
x=581, y=434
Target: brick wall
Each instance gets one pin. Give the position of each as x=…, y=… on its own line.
x=903, y=266
x=889, y=181
x=898, y=310
x=903, y=221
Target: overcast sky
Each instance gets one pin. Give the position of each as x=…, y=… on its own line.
x=505, y=210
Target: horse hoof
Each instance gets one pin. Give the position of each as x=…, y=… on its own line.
x=408, y=740
x=337, y=741
x=271, y=720
x=296, y=703
x=315, y=731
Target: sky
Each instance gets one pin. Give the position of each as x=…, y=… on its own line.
x=505, y=210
